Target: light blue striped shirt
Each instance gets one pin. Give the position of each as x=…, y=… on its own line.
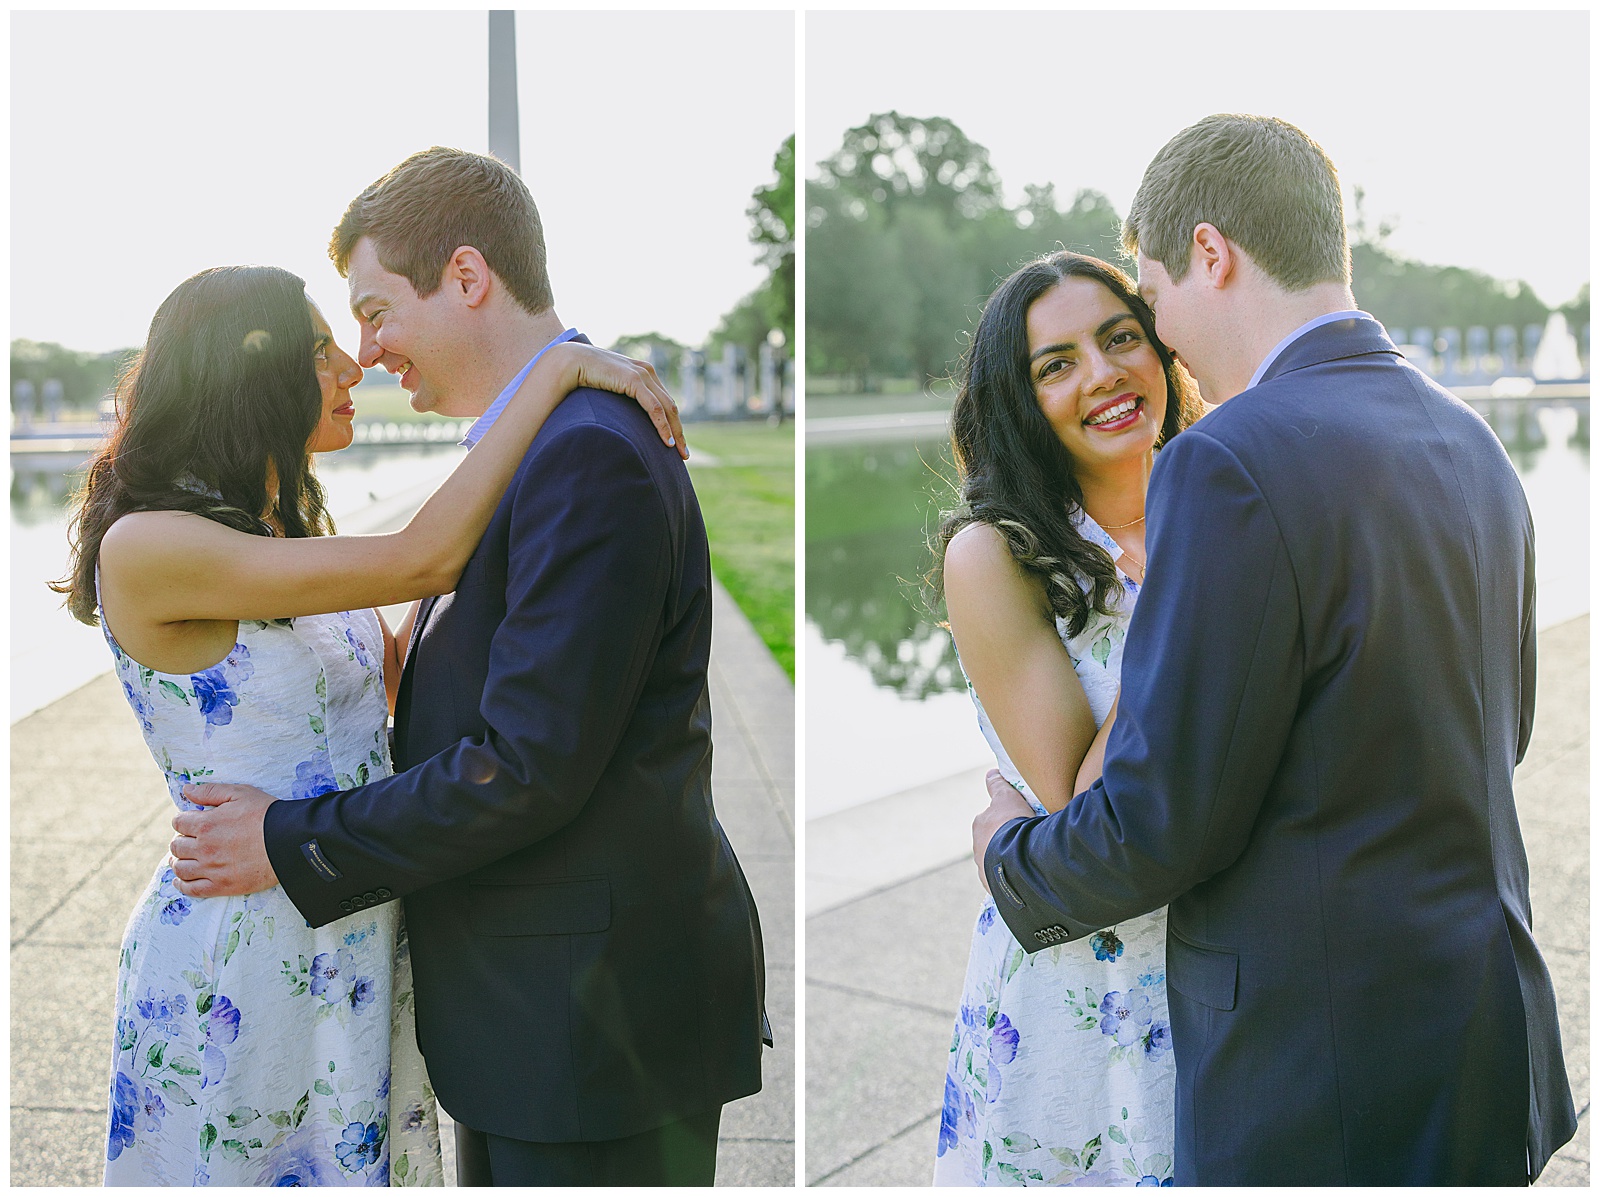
x=1297, y=334
x=484, y=422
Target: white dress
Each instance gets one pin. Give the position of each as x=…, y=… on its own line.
x=251, y=1049
x=1061, y=1068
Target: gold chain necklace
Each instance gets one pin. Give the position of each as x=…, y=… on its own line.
x=1119, y=527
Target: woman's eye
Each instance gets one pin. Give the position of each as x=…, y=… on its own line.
x=1125, y=337
x=1054, y=366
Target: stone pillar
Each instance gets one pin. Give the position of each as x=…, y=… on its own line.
x=1477, y=350
x=771, y=397
x=1505, y=346
x=1450, y=367
x=1532, y=334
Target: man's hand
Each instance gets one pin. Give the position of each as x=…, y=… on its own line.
x=1005, y=804
x=220, y=851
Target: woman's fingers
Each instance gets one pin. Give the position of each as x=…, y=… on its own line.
x=610, y=371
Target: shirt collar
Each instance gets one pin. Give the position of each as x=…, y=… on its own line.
x=486, y=421
x=1318, y=322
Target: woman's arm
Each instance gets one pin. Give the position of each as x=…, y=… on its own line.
x=167, y=567
x=1094, y=761
x=1010, y=650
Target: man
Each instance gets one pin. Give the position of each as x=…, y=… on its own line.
x=586, y=952
x=1326, y=685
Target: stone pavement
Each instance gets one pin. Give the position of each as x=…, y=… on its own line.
x=89, y=822
x=890, y=913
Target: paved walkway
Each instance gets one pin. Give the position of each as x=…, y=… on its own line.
x=892, y=894
x=89, y=821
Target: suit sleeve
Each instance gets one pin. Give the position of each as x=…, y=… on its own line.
x=587, y=573
x=1211, y=679
x=1530, y=653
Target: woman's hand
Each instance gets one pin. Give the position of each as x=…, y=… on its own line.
x=590, y=366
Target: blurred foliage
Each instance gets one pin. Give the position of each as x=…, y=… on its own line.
x=771, y=305
x=907, y=233
x=86, y=378
x=1406, y=295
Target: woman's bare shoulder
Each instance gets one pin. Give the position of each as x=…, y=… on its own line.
x=136, y=535
x=978, y=550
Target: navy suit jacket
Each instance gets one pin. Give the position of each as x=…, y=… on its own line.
x=1327, y=682
x=586, y=951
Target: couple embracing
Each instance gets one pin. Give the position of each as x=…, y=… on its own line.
x=1256, y=672
x=578, y=973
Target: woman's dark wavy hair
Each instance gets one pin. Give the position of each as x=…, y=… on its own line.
x=224, y=388
x=1014, y=472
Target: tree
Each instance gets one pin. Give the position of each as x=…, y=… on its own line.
x=772, y=217
x=1404, y=294
x=894, y=160
x=86, y=378
x=858, y=299
x=771, y=305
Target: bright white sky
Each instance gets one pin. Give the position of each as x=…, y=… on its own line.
x=1468, y=130
x=146, y=146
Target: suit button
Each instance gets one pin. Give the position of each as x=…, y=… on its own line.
x=357, y=902
x=372, y=898
x=385, y=894
x=345, y=906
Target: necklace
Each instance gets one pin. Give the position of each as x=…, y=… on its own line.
x=1135, y=560
x=1119, y=527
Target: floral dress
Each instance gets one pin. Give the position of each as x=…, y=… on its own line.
x=251, y=1049
x=1061, y=1069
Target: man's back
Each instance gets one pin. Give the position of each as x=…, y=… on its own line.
x=601, y=975
x=1327, y=683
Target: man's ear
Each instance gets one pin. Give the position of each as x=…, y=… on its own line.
x=468, y=275
x=1213, y=255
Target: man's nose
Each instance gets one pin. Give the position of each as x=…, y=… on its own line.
x=370, y=351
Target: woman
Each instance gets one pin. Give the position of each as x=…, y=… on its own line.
x=1060, y=1068
x=250, y=1048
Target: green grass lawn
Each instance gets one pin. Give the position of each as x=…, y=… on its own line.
x=747, y=496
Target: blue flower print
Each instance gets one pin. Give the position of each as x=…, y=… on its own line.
x=415, y=1118
x=124, y=1107
x=141, y=707
x=161, y=1010
x=1003, y=1040
x=1125, y=1015
x=216, y=697
x=383, y=1085
x=361, y=1145
x=986, y=920
x=1159, y=1039
x=314, y=777
x=1106, y=945
x=362, y=993
x=222, y=1027
x=359, y=649
x=301, y=1161
x=948, y=1116
x=175, y=911
x=1152, y=1182
x=151, y=1109
x=330, y=975
x=238, y=667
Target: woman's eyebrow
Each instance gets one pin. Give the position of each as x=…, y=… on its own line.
x=1063, y=346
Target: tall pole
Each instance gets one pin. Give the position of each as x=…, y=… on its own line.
x=503, y=139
